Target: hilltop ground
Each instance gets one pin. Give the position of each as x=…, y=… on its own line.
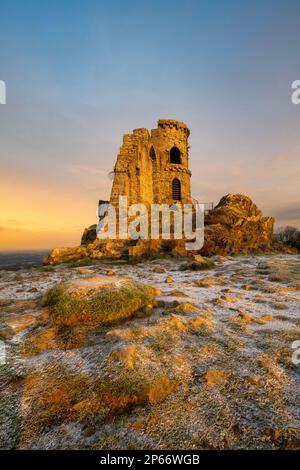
x=202, y=363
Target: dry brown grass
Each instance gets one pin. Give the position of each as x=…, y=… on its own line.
x=200, y=265
x=187, y=307
x=216, y=376
x=56, y=395
x=280, y=306
x=126, y=355
x=48, y=399
x=39, y=341
x=160, y=388
x=207, y=282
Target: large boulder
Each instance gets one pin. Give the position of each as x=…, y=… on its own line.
x=93, y=251
x=66, y=255
x=236, y=225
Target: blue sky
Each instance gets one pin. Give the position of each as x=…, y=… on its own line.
x=79, y=74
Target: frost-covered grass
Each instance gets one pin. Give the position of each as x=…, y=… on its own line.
x=218, y=342
x=73, y=317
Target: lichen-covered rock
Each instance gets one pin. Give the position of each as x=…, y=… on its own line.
x=65, y=255
x=107, y=248
x=92, y=251
x=157, y=247
x=236, y=225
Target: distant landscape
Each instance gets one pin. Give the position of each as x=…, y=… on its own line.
x=13, y=260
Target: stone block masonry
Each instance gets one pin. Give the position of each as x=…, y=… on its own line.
x=154, y=167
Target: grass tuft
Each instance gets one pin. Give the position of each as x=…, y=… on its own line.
x=73, y=317
x=52, y=296
x=56, y=395
x=198, y=266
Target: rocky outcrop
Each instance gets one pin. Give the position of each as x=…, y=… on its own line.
x=96, y=250
x=89, y=235
x=115, y=249
x=65, y=255
x=236, y=225
x=157, y=247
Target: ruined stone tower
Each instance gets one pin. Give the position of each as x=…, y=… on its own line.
x=154, y=168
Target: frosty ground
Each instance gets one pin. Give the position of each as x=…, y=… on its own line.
x=216, y=349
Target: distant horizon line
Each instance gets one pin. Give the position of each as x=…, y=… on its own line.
x=18, y=250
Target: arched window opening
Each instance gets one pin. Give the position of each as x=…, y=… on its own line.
x=152, y=153
x=176, y=189
x=175, y=156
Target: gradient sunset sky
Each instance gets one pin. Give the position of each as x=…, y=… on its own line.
x=81, y=73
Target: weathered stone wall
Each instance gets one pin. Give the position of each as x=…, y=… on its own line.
x=169, y=134
x=143, y=171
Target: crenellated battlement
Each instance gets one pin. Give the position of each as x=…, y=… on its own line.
x=172, y=123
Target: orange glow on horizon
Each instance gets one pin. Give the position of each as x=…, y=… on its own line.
x=35, y=217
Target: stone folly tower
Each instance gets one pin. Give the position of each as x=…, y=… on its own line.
x=154, y=167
